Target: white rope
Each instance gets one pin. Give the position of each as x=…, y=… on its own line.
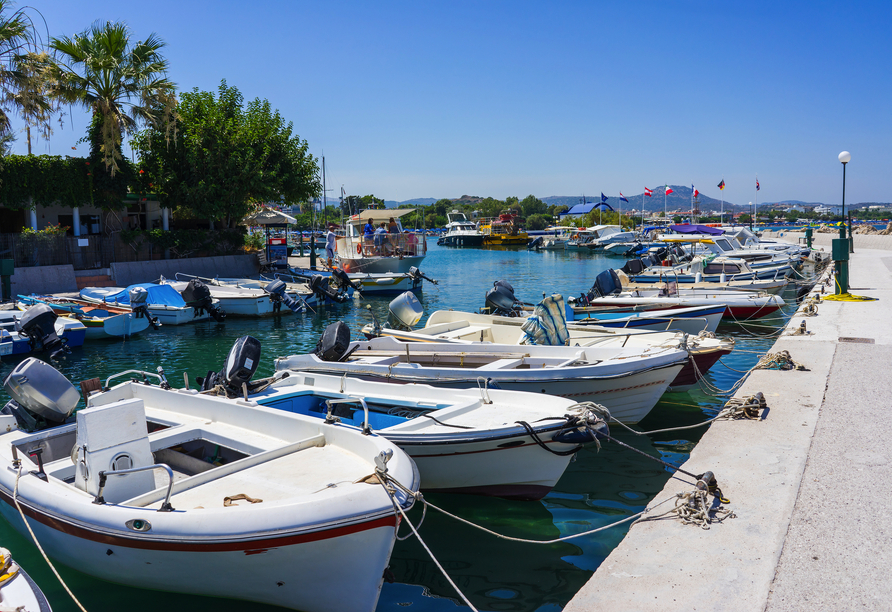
x=15, y=498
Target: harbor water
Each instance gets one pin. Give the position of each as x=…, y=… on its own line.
x=599, y=488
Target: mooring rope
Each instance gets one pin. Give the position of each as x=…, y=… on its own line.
x=15, y=499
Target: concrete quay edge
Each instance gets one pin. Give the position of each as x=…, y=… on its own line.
x=792, y=545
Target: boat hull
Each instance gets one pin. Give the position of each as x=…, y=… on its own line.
x=463, y=240
x=282, y=570
x=117, y=326
x=379, y=265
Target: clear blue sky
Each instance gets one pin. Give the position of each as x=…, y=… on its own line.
x=439, y=99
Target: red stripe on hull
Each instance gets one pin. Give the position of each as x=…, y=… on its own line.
x=248, y=546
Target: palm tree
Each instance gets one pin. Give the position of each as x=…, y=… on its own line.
x=122, y=84
x=15, y=36
x=32, y=92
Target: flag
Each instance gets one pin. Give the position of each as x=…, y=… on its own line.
x=721, y=185
x=648, y=192
x=622, y=197
x=696, y=193
x=604, y=198
x=757, y=184
x=669, y=190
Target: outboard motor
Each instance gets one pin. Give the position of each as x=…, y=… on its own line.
x=500, y=299
x=606, y=283
x=198, y=296
x=405, y=311
x=41, y=396
x=535, y=244
x=276, y=291
x=633, y=267
x=38, y=324
x=241, y=363
x=323, y=289
x=416, y=274
x=139, y=302
x=334, y=342
x=343, y=280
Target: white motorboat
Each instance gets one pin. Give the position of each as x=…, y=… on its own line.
x=607, y=235
x=174, y=490
x=608, y=293
x=556, y=238
x=460, y=231
x=466, y=327
x=163, y=302
x=18, y=591
x=233, y=299
x=628, y=381
x=379, y=253
x=465, y=441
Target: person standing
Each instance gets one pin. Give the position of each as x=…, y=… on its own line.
x=330, y=240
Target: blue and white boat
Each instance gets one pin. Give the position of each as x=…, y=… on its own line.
x=17, y=337
x=163, y=301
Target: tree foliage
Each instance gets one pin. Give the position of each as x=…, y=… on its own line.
x=227, y=157
x=44, y=180
x=122, y=84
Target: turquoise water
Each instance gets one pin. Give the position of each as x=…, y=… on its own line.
x=597, y=489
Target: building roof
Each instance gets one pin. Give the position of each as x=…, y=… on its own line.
x=580, y=209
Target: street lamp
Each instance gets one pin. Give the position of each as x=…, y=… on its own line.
x=845, y=157
x=842, y=247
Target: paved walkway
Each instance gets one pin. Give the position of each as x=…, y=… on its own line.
x=808, y=483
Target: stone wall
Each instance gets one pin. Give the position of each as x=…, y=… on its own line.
x=43, y=279
x=227, y=266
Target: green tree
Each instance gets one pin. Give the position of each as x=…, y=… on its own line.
x=34, y=84
x=122, y=84
x=537, y=222
x=532, y=205
x=228, y=157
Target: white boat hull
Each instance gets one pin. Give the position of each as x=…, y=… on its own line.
x=277, y=570
x=117, y=326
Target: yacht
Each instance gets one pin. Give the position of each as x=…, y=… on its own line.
x=460, y=231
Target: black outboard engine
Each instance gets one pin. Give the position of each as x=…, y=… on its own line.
x=416, y=274
x=241, y=363
x=633, y=267
x=606, y=283
x=334, y=342
x=41, y=396
x=323, y=289
x=38, y=324
x=535, y=244
x=343, y=280
x=276, y=291
x=139, y=302
x=198, y=296
x=500, y=299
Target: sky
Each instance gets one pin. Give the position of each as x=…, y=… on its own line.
x=510, y=98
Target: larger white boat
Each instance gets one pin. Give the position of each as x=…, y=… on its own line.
x=163, y=302
x=629, y=381
x=173, y=490
x=379, y=253
x=466, y=327
x=460, y=231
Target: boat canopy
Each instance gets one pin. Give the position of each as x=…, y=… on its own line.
x=696, y=229
x=158, y=294
x=380, y=215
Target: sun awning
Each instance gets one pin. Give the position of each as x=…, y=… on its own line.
x=268, y=216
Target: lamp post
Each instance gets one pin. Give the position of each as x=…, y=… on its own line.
x=845, y=157
x=841, y=246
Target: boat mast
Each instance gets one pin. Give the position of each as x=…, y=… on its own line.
x=324, y=198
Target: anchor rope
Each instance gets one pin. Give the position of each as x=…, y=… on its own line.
x=15, y=499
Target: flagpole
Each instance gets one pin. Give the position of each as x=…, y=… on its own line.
x=692, y=204
x=722, y=191
x=665, y=215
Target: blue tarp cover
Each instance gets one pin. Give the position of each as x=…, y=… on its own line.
x=158, y=294
x=696, y=229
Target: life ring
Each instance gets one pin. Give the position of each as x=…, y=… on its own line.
x=359, y=248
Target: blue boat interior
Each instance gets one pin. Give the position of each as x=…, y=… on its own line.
x=382, y=415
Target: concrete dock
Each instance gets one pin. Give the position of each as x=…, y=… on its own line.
x=808, y=482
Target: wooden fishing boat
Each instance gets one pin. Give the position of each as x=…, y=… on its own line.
x=101, y=321
x=174, y=490
x=628, y=380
